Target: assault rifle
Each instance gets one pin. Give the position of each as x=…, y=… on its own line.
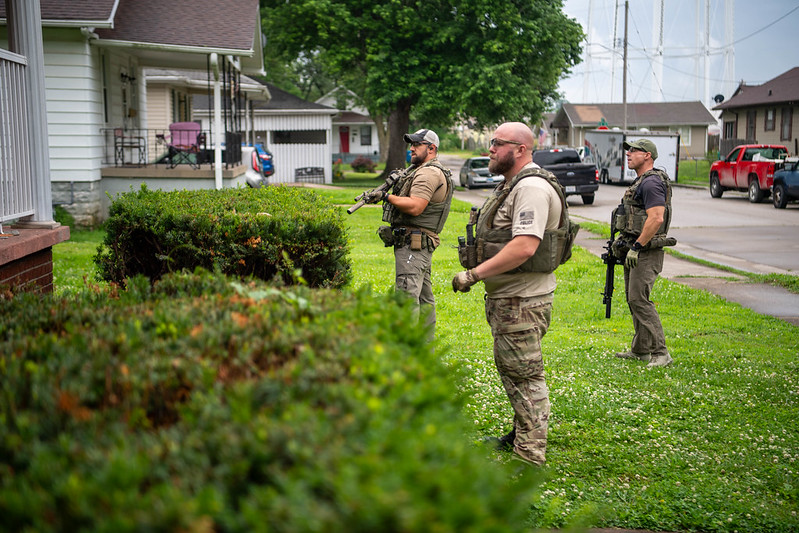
x=610, y=259
x=385, y=187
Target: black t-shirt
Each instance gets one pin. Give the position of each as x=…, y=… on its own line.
x=651, y=192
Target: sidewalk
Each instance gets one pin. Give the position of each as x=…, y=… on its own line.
x=760, y=297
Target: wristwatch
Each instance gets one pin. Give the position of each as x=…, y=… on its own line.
x=636, y=246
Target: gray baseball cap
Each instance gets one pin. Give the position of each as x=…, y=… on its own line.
x=422, y=136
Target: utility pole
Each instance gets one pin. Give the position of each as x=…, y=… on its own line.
x=657, y=61
x=588, y=48
x=624, y=80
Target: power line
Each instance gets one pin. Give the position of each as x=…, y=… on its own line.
x=767, y=26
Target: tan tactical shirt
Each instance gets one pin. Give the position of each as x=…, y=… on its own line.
x=429, y=183
x=531, y=207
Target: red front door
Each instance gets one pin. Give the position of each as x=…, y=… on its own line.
x=344, y=139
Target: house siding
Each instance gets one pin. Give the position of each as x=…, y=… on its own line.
x=289, y=157
x=159, y=110
x=738, y=116
x=74, y=107
x=76, y=117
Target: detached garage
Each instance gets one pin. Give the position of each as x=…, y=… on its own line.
x=297, y=132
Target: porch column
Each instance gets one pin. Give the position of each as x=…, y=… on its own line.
x=25, y=38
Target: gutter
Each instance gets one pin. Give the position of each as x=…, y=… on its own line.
x=108, y=43
x=108, y=24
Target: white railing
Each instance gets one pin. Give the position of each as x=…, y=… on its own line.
x=16, y=181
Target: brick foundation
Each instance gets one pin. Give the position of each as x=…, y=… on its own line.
x=26, y=258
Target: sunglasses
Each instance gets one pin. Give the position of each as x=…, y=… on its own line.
x=502, y=142
x=636, y=150
x=417, y=145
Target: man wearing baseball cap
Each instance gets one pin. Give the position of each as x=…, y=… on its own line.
x=417, y=210
x=643, y=220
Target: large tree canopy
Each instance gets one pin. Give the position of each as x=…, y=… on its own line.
x=481, y=59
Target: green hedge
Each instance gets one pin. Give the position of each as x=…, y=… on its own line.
x=269, y=232
x=202, y=403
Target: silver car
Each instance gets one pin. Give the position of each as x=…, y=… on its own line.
x=475, y=173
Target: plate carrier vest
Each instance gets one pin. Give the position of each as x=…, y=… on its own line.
x=556, y=245
x=434, y=215
x=630, y=216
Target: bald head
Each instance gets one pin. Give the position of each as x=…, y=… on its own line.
x=517, y=131
x=510, y=156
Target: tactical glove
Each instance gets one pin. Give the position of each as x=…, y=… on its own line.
x=464, y=280
x=374, y=196
x=632, y=259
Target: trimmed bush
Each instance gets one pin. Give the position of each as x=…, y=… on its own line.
x=202, y=403
x=282, y=232
x=363, y=164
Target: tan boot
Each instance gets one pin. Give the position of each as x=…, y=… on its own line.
x=632, y=355
x=660, y=360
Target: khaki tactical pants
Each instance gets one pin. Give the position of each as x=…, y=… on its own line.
x=638, y=283
x=413, y=268
x=518, y=325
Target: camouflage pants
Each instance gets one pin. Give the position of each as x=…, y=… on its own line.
x=518, y=325
x=638, y=282
x=412, y=268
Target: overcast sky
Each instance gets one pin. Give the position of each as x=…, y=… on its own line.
x=765, y=37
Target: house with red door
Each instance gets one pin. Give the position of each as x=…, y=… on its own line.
x=355, y=133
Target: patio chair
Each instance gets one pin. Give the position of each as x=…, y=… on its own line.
x=186, y=144
x=127, y=143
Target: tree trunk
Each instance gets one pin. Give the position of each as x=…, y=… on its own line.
x=398, y=122
x=382, y=134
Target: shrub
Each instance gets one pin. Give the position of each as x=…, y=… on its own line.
x=363, y=164
x=267, y=232
x=205, y=403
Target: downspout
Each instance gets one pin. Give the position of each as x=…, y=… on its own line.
x=217, y=123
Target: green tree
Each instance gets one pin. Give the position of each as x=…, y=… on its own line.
x=481, y=59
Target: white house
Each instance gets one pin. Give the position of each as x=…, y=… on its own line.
x=94, y=53
x=354, y=131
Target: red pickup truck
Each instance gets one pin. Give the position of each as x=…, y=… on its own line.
x=749, y=167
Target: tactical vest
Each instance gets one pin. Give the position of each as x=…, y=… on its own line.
x=555, y=246
x=630, y=216
x=434, y=215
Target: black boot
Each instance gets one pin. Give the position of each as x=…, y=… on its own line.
x=506, y=441
x=503, y=443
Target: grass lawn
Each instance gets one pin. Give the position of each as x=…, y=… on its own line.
x=696, y=172
x=708, y=444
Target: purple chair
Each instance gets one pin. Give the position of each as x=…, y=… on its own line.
x=186, y=143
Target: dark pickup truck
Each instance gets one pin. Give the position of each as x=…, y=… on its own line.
x=575, y=176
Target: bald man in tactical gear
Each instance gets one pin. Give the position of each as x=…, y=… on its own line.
x=515, y=221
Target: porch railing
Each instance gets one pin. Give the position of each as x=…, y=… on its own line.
x=16, y=179
x=136, y=147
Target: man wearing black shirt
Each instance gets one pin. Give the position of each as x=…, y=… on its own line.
x=643, y=222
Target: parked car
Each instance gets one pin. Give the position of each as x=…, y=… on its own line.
x=786, y=183
x=748, y=168
x=475, y=173
x=575, y=176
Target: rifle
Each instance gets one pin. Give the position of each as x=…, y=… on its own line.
x=385, y=187
x=610, y=259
